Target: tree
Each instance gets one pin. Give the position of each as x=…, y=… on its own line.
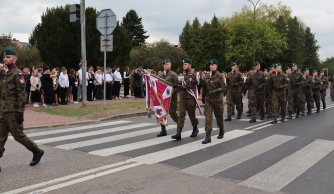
x=133, y=23
x=184, y=37
x=59, y=41
x=329, y=63
x=311, y=50
x=151, y=55
x=296, y=41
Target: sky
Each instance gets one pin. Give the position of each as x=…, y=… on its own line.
x=164, y=19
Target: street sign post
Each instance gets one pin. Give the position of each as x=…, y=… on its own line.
x=106, y=23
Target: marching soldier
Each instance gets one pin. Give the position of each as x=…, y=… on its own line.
x=323, y=88
x=295, y=94
x=172, y=78
x=187, y=101
x=331, y=79
x=278, y=83
x=308, y=91
x=12, y=101
x=234, y=83
x=269, y=94
x=213, y=89
x=255, y=85
x=316, y=89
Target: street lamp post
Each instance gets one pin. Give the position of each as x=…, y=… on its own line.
x=254, y=28
x=83, y=51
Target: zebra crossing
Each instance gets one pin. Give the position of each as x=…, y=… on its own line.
x=138, y=141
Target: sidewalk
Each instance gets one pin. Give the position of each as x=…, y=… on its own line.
x=33, y=119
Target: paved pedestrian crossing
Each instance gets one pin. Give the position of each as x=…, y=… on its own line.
x=239, y=147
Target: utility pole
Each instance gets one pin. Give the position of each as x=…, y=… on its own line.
x=254, y=28
x=83, y=52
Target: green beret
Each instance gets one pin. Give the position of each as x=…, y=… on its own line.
x=167, y=61
x=213, y=61
x=256, y=63
x=293, y=64
x=315, y=71
x=274, y=65
x=187, y=60
x=9, y=51
x=234, y=63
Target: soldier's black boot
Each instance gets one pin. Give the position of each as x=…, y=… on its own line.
x=309, y=112
x=239, y=116
x=221, y=133
x=297, y=114
x=37, y=155
x=283, y=118
x=228, y=118
x=207, y=138
x=303, y=114
x=290, y=115
x=318, y=109
x=274, y=120
x=177, y=136
x=324, y=106
x=262, y=117
x=253, y=120
x=195, y=132
x=163, y=131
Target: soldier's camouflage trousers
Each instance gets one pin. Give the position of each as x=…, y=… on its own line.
x=12, y=122
x=231, y=99
x=316, y=97
x=256, y=101
x=279, y=102
x=309, y=99
x=173, y=109
x=296, y=100
x=218, y=109
x=268, y=103
x=323, y=97
x=186, y=105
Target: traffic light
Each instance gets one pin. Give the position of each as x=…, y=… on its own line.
x=75, y=13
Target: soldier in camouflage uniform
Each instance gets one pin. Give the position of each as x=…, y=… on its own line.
x=296, y=91
x=12, y=101
x=234, y=83
x=308, y=90
x=256, y=85
x=278, y=82
x=171, y=77
x=214, y=87
x=269, y=94
x=187, y=102
x=316, y=89
x=323, y=88
x=331, y=79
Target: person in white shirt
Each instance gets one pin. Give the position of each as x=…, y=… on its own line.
x=99, y=84
x=35, y=86
x=63, y=82
x=117, y=83
x=109, y=80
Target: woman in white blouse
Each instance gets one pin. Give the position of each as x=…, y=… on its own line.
x=35, y=87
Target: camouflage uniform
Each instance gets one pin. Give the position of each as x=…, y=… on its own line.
x=308, y=93
x=296, y=93
x=256, y=84
x=323, y=88
x=278, y=82
x=172, y=78
x=213, y=88
x=332, y=87
x=12, y=100
x=234, y=83
x=186, y=104
x=269, y=97
x=316, y=92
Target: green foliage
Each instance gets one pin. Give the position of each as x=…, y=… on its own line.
x=151, y=55
x=329, y=63
x=311, y=50
x=59, y=41
x=133, y=23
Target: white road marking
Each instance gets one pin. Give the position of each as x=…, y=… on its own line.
x=91, y=133
x=282, y=173
x=236, y=157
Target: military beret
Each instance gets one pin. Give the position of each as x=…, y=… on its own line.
x=167, y=61
x=213, y=61
x=321, y=71
x=274, y=65
x=256, y=63
x=234, y=63
x=9, y=51
x=293, y=64
x=315, y=71
x=187, y=60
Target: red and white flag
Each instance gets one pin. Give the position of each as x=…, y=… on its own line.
x=159, y=93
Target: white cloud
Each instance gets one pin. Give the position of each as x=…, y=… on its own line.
x=165, y=19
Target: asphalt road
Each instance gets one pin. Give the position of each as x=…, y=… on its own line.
x=125, y=156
